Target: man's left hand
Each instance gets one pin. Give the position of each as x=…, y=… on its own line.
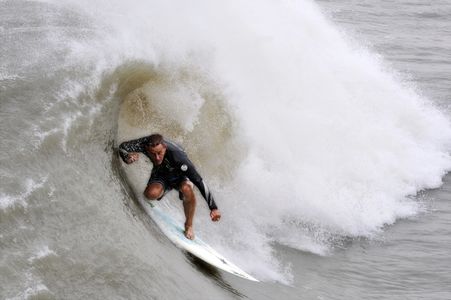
x=215, y=215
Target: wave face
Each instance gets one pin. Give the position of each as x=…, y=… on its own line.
x=306, y=137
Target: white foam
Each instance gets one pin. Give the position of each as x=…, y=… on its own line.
x=34, y=288
x=330, y=138
x=41, y=253
x=6, y=76
x=10, y=200
x=30, y=291
x=169, y=103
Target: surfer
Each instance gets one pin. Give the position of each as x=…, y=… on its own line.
x=171, y=169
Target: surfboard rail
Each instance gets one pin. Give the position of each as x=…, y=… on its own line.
x=197, y=247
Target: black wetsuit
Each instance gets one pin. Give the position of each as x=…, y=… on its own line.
x=175, y=168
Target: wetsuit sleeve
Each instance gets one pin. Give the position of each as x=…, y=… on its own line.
x=204, y=190
x=137, y=145
x=188, y=169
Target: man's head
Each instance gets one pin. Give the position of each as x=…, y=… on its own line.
x=156, y=148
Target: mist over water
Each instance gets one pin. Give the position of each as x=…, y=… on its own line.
x=307, y=138
x=328, y=136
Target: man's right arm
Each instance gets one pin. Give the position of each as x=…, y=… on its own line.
x=127, y=149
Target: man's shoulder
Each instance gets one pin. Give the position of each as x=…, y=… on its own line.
x=173, y=146
x=177, y=153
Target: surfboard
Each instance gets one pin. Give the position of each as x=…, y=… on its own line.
x=196, y=247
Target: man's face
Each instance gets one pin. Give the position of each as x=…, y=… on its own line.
x=157, y=153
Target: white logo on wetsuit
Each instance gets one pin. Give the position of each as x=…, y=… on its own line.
x=184, y=167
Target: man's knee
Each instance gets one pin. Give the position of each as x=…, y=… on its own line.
x=153, y=191
x=186, y=187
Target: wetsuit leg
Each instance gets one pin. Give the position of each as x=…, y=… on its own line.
x=168, y=181
x=156, y=178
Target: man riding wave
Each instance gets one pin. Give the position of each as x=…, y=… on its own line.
x=171, y=169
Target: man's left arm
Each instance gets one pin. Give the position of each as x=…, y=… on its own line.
x=190, y=171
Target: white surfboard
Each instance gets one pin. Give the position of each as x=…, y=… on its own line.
x=196, y=247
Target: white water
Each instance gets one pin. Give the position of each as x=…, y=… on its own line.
x=328, y=136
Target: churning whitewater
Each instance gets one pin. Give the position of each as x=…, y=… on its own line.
x=306, y=137
x=311, y=130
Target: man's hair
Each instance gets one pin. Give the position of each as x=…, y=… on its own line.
x=155, y=140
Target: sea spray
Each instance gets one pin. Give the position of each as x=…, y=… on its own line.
x=326, y=141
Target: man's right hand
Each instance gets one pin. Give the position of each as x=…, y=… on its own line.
x=132, y=157
x=215, y=215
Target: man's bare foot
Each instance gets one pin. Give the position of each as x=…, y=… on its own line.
x=189, y=232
